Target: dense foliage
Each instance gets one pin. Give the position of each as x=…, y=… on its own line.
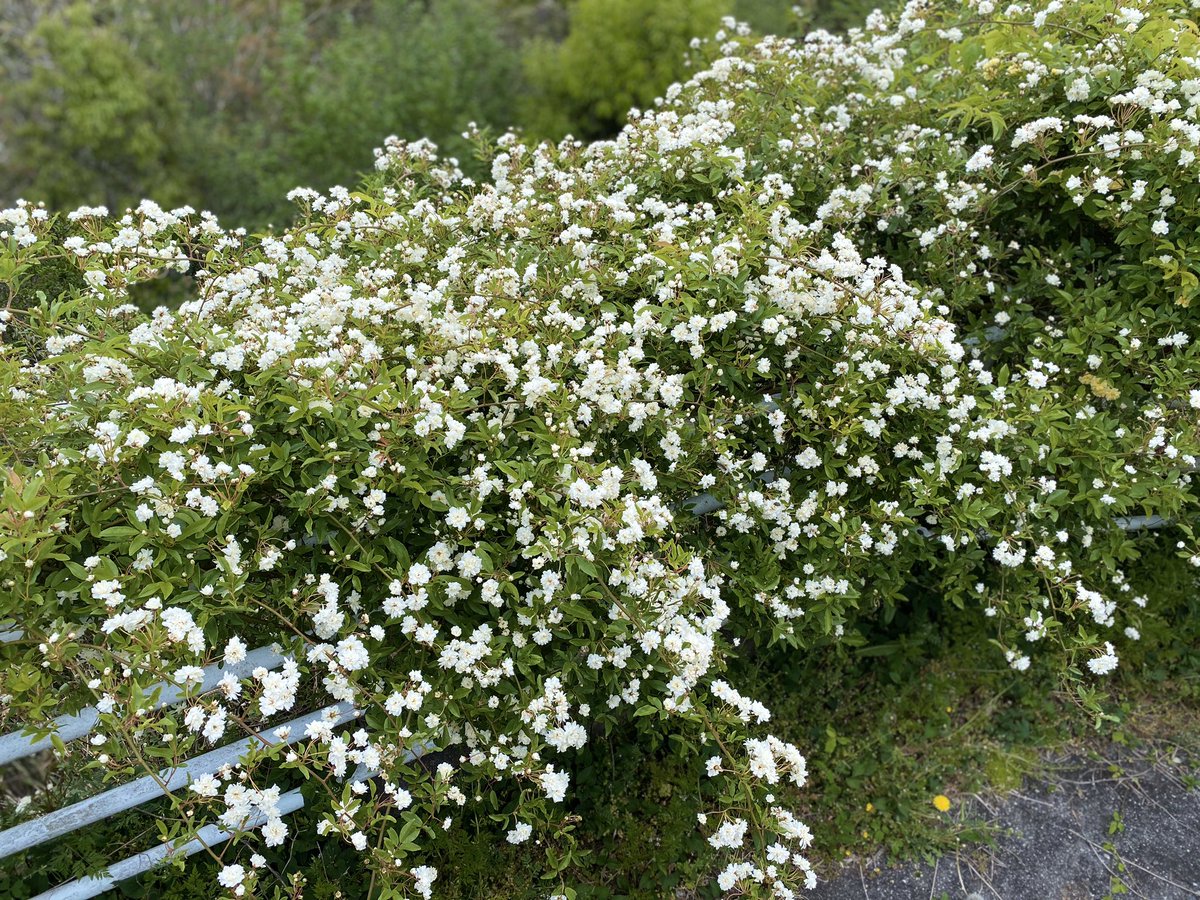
x=617, y=55
x=504, y=464
x=227, y=106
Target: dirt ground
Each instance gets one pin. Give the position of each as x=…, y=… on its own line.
x=1129, y=827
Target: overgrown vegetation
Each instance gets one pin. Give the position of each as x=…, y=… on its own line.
x=857, y=376
x=228, y=106
x=928, y=716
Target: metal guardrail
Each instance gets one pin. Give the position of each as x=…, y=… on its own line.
x=130, y=795
x=140, y=863
x=706, y=504
x=142, y=790
x=72, y=727
x=18, y=745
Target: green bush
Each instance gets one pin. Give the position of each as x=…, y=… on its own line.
x=846, y=330
x=231, y=107
x=90, y=122
x=617, y=55
x=429, y=70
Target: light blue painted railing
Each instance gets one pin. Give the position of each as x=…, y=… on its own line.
x=58, y=823
x=208, y=836
x=81, y=724
x=134, y=793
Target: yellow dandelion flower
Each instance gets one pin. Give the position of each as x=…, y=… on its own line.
x=941, y=803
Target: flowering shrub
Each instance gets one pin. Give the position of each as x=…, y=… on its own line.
x=501, y=465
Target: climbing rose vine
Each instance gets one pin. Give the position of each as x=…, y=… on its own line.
x=500, y=466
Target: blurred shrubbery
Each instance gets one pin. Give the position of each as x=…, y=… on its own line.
x=229, y=103
x=617, y=55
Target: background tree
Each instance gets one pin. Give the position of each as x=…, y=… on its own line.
x=618, y=54
x=91, y=122
x=228, y=104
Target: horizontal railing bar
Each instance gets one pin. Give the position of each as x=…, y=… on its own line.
x=19, y=744
x=135, y=793
x=208, y=836
x=1138, y=523
x=704, y=504
x=140, y=863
